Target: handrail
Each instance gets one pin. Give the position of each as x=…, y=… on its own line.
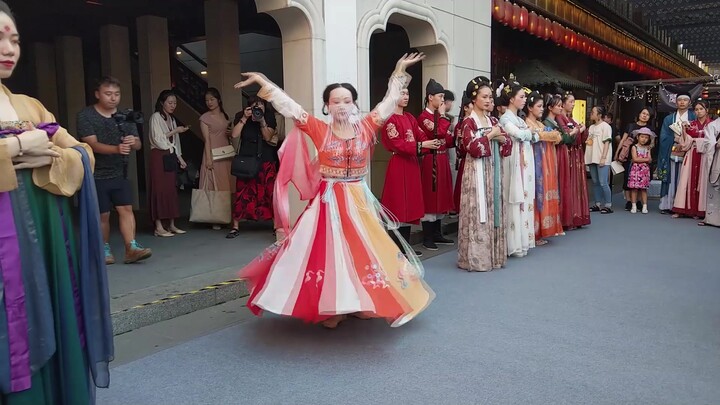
x=190, y=86
x=189, y=52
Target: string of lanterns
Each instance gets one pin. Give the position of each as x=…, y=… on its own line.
x=519, y=18
x=635, y=92
x=641, y=92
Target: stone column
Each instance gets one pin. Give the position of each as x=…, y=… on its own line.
x=222, y=35
x=71, y=80
x=46, y=76
x=154, y=66
x=115, y=58
x=303, y=46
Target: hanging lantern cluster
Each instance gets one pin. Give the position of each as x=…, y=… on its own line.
x=518, y=17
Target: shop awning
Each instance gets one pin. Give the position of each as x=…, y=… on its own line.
x=535, y=73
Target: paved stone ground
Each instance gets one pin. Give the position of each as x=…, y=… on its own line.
x=624, y=311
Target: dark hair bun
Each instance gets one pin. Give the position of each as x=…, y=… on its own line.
x=473, y=87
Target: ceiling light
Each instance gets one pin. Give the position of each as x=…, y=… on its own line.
x=178, y=53
x=204, y=72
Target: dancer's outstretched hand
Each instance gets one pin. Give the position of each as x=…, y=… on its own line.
x=252, y=78
x=408, y=60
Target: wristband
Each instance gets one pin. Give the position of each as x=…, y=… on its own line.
x=20, y=153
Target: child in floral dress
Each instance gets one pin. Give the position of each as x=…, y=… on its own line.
x=639, y=177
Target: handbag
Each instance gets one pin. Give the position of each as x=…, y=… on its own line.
x=624, y=153
x=247, y=167
x=617, y=167
x=223, y=152
x=210, y=206
x=170, y=162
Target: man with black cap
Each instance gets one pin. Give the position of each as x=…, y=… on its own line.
x=436, y=172
x=669, y=156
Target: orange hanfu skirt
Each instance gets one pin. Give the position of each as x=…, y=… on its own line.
x=339, y=259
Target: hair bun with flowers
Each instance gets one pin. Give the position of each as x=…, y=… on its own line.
x=473, y=87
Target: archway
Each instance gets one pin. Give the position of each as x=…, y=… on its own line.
x=400, y=27
x=302, y=43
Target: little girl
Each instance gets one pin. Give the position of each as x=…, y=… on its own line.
x=639, y=177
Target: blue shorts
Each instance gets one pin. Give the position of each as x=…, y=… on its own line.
x=113, y=193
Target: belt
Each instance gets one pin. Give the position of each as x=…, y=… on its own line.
x=441, y=152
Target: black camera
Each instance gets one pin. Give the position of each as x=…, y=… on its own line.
x=128, y=116
x=257, y=113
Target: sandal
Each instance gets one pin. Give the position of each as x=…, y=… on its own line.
x=595, y=208
x=234, y=233
x=541, y=242
x=606, y=210
x=701, y=224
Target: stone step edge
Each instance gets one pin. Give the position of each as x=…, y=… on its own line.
x=176, y=305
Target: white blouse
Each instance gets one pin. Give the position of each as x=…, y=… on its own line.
x=158, y=135
x=600, y=134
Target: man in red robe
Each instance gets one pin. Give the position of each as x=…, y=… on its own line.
x=435, y=167
x=402, y=193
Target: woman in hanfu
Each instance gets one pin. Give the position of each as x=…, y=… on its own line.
x=55, y=329
x=711, y=165
x=692, y=182
x=481, y=229
x=519, y=172
x=547, y=195
x=338, y=259
x=573, y=189
x=465, y=109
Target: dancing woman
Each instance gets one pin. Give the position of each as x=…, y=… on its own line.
x=337, y=259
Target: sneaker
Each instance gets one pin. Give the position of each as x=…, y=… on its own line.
x=628, y=206
x=134, y=252
x=644, y=210
x=430, y=245
x=109, y=258
x=633, y=209
x=418, y=253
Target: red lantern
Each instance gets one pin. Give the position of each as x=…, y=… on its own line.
x=557, y=32
x=547, y=28
x=532, y=27
x=507, y=19
x=523, y=19
x=499, y=10
x=633, y=66
x=582, y=44
x=515, y=23
x=574, y=41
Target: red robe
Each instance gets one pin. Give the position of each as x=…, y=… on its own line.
x=690, y=170
x=402, y=193
x=439, y=201
x=460, y=157
x=574, y=204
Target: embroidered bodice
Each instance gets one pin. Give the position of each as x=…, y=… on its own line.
x=344, y=158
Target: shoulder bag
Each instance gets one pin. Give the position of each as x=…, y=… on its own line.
x=247, y=167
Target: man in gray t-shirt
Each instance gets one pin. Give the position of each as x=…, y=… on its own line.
x=111, y=143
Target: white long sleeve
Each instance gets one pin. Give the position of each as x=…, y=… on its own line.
x=523, y=134
x=285, y=105
x=396, y=83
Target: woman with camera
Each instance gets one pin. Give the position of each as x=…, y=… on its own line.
x=258, y=140
x=165, y=158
